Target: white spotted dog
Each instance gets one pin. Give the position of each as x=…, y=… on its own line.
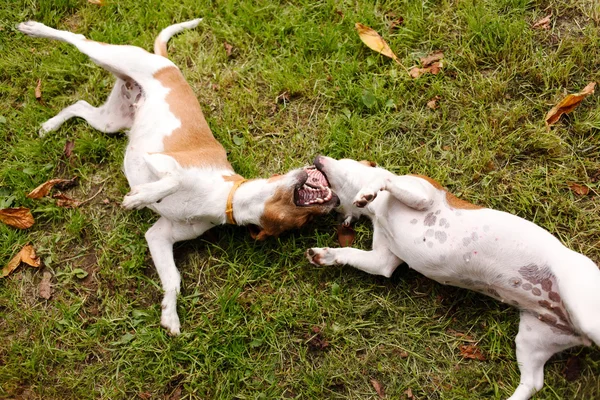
x=173, y=163
x=417, y=221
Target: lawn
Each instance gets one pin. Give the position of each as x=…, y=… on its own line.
x=258, y=321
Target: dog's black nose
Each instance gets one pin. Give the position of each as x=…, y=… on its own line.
x=318, y=162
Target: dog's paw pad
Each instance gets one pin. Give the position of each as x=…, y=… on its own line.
x=320, y=256
x=364, y=198
x=170, y=321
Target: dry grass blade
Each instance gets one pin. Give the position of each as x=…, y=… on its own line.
x=45, y=286
x=19, y=217
x=45, y=188
x=568, y=104
x=26, y=255
x=38, y=90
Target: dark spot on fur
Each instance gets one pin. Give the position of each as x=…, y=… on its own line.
x=442, y=222
x=554, y=296
x=466, y=241
x=441, y=236
x=429, y=219
x=438, y=212
x=549, y=319
x=527, y=286
x=547, y=285
x=413, y=221
x=429, y=233
x=474, y=236
x=535, y=274
x=536, y=291
x=493, y=292
x=430, y=244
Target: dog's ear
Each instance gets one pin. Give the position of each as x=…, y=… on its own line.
x=368, y=163
x=257, y=233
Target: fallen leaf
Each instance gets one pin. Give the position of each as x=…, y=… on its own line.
x=580, y=190
x=409, y=394
x=67, y=183
x=145, y=395
x=68, y=150
x=283, y=97
x=228, y=49
x=19, y=217
x=472, y=352
x=433, y=102
x=568, y=104
x=345, y=235
x=431, y=58
x=45, y=287
x=44, y=188
x=65, y=201
x=572, y=369
x=543, y=23
x=434, y=68
x=97, y=2
x=26, y=255
x=378, y=388
x=38, y=90
x=374, y=41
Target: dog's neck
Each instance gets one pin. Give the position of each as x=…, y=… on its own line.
x=248, y=202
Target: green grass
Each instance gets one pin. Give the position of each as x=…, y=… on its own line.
x=257, y=320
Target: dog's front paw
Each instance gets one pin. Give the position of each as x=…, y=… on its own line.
x=170, y=320
x=30, y=28
x=364, y=197
x=51, y=125
x=320, y=256
x=135, y=200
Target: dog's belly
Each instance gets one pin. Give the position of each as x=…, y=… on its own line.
x=491, y=252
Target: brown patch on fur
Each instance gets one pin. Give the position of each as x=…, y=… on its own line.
x=452, y=200
x=160, y=47
x=561, y=316
x=368, y=163
x=535, y=274
x=274, y=178
x=192, y=144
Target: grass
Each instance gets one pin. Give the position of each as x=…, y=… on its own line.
x=257, y=320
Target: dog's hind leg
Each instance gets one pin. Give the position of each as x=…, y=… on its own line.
x=113, y=116
x=161, y=237
x=536, y=343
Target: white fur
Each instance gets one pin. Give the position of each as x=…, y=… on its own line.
x=190, y=200
x=489, y=251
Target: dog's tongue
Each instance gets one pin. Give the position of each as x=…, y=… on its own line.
x=316, y=178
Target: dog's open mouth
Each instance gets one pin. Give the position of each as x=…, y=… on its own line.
x=315, y=190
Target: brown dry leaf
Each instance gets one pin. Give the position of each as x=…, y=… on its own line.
x=38, y=90
x=433, y=102
x=580, y=190
x=97, y=2
x=572, y=369
x=65, y=201
x=568, y=104
x=345, y=235
x=45, y=287
x=26, y=255
x=543, y=23
x=378, y=388
x=19, y=217
x=45, y=188
x=374, y=41
x=409, y=394
x=471, y=351
x=228, y=48
x=396, y=23
x=434, y=68
x=433, y=57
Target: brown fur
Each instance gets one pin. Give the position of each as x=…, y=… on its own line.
x=192, y=144
x=160, y=48
x=452, y=200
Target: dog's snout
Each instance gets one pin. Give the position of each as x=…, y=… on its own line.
x=319, y=161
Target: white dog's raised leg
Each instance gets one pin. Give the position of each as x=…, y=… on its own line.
x=379, y=261
x=161, y=237
x=410, y=190
x=536, y=343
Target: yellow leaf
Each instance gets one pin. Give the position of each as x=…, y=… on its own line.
x=568, y=104
x=374, y=41
x=97, y=2
x=38, y=90
x=26, y=255
x=18, y=217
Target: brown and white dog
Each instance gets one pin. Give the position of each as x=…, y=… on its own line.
x=173, y=163
x=457, y=243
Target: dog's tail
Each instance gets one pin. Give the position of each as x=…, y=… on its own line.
x=160, y=44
